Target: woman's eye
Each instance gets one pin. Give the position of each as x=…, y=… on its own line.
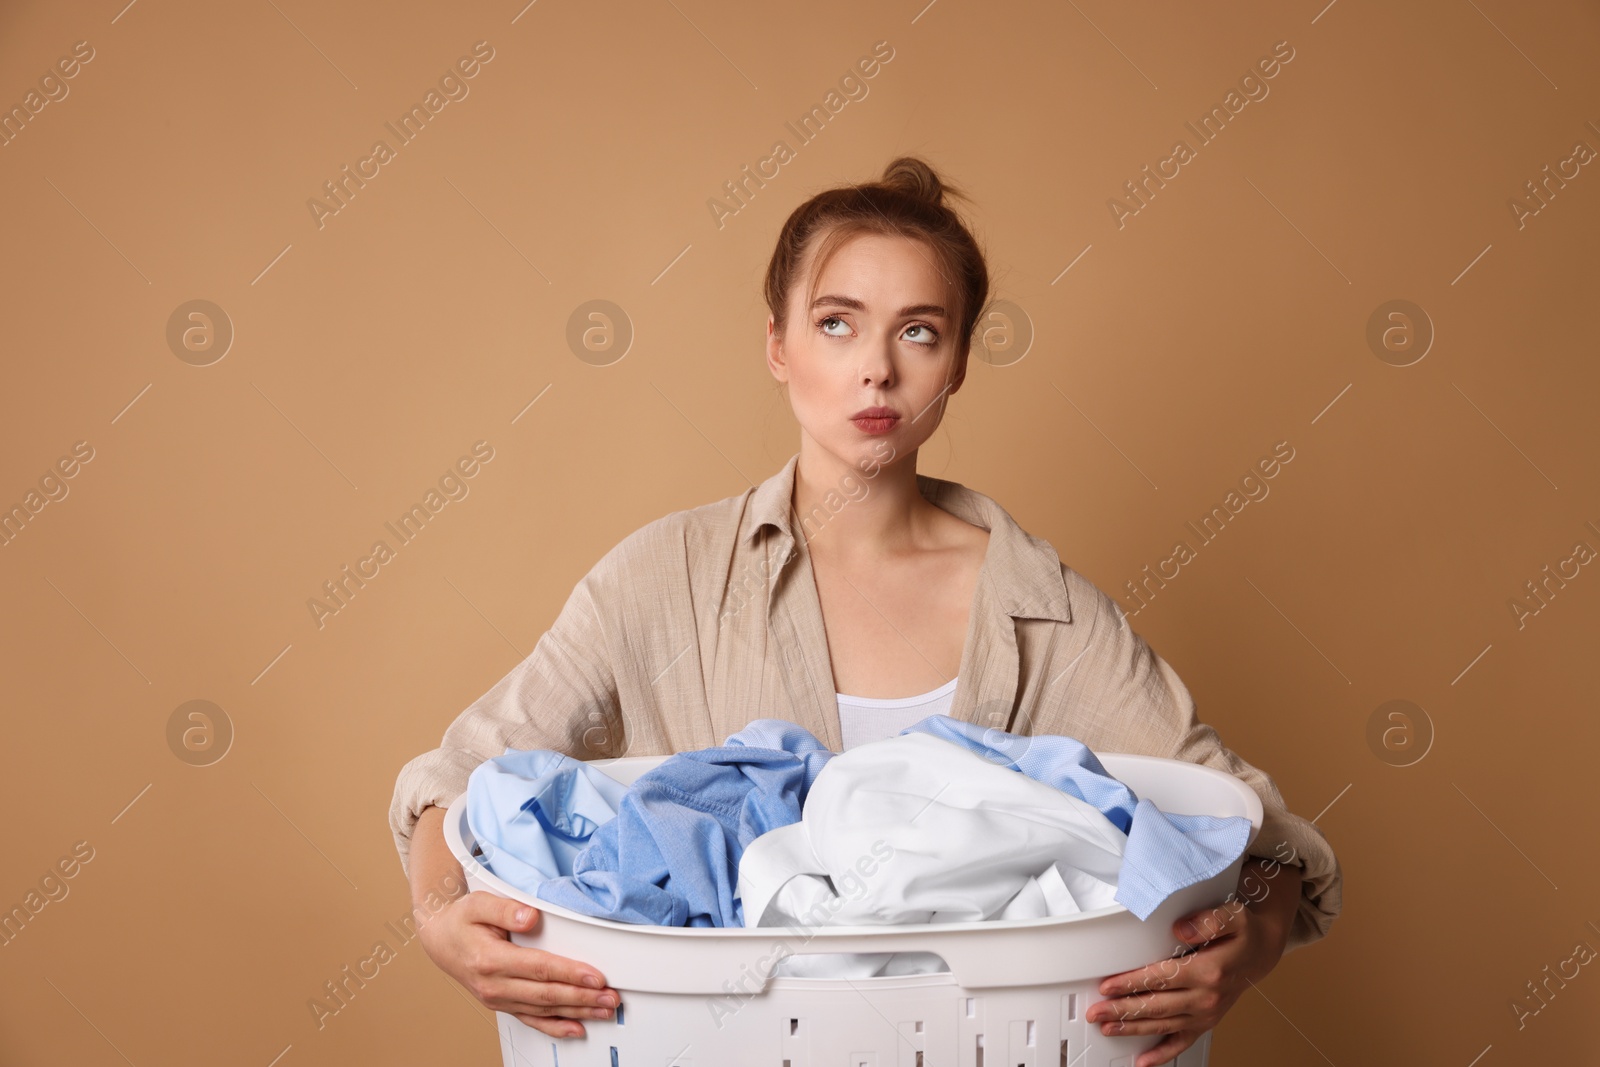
x=823, y=323
x=927, y=331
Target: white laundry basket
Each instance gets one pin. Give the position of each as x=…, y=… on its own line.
x=1014, y=996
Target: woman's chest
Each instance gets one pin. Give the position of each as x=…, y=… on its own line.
x=901, y=631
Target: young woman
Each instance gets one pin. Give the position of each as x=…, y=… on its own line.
x=826, y=595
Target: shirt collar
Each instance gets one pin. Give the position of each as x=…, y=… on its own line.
x=1025, y=570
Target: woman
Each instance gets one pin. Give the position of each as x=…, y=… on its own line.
x=827, y=593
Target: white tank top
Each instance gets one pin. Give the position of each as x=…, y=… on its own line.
x=863, y=719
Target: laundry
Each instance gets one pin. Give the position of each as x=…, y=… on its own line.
x=668, y=852
x=954, y=821
x=914, y=829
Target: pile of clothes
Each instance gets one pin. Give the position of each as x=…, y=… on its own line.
x=945, y=822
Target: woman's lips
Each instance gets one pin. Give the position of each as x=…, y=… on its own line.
x=876, y=425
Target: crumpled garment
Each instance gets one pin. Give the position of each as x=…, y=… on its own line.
x=532, y=811
x=915, y=829
x=668, y=852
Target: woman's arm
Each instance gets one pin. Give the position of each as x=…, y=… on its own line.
x=562, y=697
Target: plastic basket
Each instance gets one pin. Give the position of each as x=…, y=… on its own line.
x=1014, y=996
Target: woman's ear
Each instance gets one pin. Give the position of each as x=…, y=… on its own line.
x=775, y=358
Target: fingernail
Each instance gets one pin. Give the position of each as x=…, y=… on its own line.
x=1187, y=929
x=592, y=981
x=524, y=914
x=607, y=1000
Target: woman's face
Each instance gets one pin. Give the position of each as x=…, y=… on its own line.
x=879, y=334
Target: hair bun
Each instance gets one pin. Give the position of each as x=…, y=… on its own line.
x=914, y=177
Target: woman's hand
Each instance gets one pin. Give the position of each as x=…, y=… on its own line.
x=470, y=940
x=468, y=937
x=1237, y=943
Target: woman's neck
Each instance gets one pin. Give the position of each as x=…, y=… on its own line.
x=861, y=514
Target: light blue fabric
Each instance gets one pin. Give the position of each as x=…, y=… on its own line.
x=1165, y=852
x=532, y=811
x=668, y=854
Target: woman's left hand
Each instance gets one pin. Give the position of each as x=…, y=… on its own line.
x=1237, y=943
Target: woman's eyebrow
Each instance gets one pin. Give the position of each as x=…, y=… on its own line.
x=855, y=305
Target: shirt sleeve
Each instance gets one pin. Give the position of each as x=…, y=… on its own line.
x=1121, y=695
x=562, y=697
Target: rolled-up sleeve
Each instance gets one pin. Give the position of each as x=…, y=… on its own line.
x=1123, y=697
x=562, y=697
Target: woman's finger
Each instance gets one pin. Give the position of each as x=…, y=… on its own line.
x=1174, y=973
x=504, y=959
x=551, y=1026
x=559, y=1013
x=1164, y=1024
x=1167, y=1049
x=548, y=998
x=503, y=913
x=1143, y=1006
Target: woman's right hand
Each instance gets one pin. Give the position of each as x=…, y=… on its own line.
x=470, y=940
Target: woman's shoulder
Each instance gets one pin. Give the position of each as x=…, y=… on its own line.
x=686, y=537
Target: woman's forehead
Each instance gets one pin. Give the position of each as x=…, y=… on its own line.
x=883, y=272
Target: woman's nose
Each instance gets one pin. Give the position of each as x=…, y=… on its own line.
x=879, y=369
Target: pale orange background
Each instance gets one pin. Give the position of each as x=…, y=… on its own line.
x=1226, y=316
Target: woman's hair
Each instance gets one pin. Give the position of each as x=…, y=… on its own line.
x=908, y=201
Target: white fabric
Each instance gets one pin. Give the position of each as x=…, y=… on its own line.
x=864, y=719
x=914, y=829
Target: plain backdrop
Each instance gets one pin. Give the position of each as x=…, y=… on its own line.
x=1140, y=361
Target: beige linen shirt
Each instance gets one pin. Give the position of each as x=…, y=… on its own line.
x=709, y=617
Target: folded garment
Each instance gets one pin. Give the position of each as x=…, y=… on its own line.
x=914, y=829
x=1165, y=851
x=669, y=853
